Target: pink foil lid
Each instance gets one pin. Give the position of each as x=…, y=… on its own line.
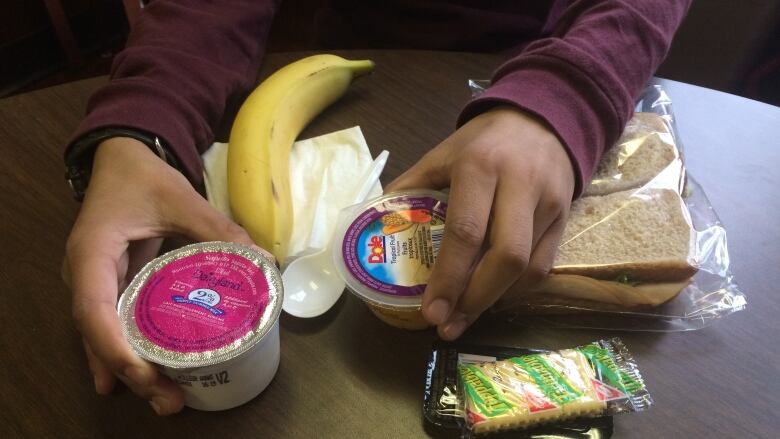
x=200, y=305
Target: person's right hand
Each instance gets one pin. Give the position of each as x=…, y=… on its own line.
x=134, y=199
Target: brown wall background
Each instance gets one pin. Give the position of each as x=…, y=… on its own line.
x=720, y=41
x=718, y=46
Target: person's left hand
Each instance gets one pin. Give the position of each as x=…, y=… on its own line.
x=511, y=185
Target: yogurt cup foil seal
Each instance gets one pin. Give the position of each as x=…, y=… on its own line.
x=201, y=305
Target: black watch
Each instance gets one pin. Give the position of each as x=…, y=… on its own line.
x=78, y=160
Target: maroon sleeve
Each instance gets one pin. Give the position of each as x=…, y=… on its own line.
x=184, y=61
x=584, y=78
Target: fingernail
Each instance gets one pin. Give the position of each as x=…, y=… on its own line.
x=136, y=375
x=97, y=384
x=158, y=403
x=437, y=311
x=455, y=329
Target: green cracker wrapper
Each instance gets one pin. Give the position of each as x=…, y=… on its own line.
x=480, y=389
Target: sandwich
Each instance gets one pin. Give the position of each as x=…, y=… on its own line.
x=644, y=153
x=628, y=242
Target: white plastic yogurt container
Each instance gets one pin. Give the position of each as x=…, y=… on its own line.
x=208, y=315
x=387, y=249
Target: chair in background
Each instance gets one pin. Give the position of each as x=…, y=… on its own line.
x=64, y=32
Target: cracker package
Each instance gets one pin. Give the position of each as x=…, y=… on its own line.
x=472, y=390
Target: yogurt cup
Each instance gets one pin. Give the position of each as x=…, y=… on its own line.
x=387, y=249
x=208, y=315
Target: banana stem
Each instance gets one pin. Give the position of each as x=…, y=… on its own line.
x=361, y=67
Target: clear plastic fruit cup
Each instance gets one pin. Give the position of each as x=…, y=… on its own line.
x=386, y=249
x=208, y=315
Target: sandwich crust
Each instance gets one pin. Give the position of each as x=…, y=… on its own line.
x=574, y=290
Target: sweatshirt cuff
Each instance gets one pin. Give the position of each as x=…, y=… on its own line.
x=141, y=105
x=572, y=106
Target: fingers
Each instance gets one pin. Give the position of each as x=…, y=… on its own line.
x=133, y=200
x=94, y=311
x=198, y=220
x=539, y=265
x=161, y=393
x=428, y=173
x=468, y=211
x=194, y=217
x=141, y=252
x=102, y=375
x=93, y=267
x=510, y=156
x=543, y=256
x=511, y=240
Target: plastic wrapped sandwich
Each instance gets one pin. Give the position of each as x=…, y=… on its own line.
x=643, y=248
x=629, y=242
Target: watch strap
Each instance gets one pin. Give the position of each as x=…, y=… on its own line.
x=78, y=160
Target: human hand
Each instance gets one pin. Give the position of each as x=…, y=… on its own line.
x=134, y=199
x=511, y=185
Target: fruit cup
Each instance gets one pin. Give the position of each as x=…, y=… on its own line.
x=387, y=249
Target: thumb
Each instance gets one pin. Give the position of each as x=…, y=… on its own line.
x=195, y=218
x=198, y=220
x=428, y=173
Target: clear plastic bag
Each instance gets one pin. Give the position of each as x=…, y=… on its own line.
x=644, y=249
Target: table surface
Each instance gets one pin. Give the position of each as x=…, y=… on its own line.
x=346, y=373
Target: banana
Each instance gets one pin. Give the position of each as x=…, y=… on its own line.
x=263, y=133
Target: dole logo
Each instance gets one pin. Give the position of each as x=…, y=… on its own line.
x=377, y=254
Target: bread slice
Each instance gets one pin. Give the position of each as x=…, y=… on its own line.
x=588, y=293
x=632, y=236
x=628, y=243
x=644, y=150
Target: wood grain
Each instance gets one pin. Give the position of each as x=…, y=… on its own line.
x=346, y=374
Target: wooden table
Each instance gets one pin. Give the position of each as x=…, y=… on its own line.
x=346, y=374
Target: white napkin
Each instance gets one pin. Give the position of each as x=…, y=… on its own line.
x=324, y=172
